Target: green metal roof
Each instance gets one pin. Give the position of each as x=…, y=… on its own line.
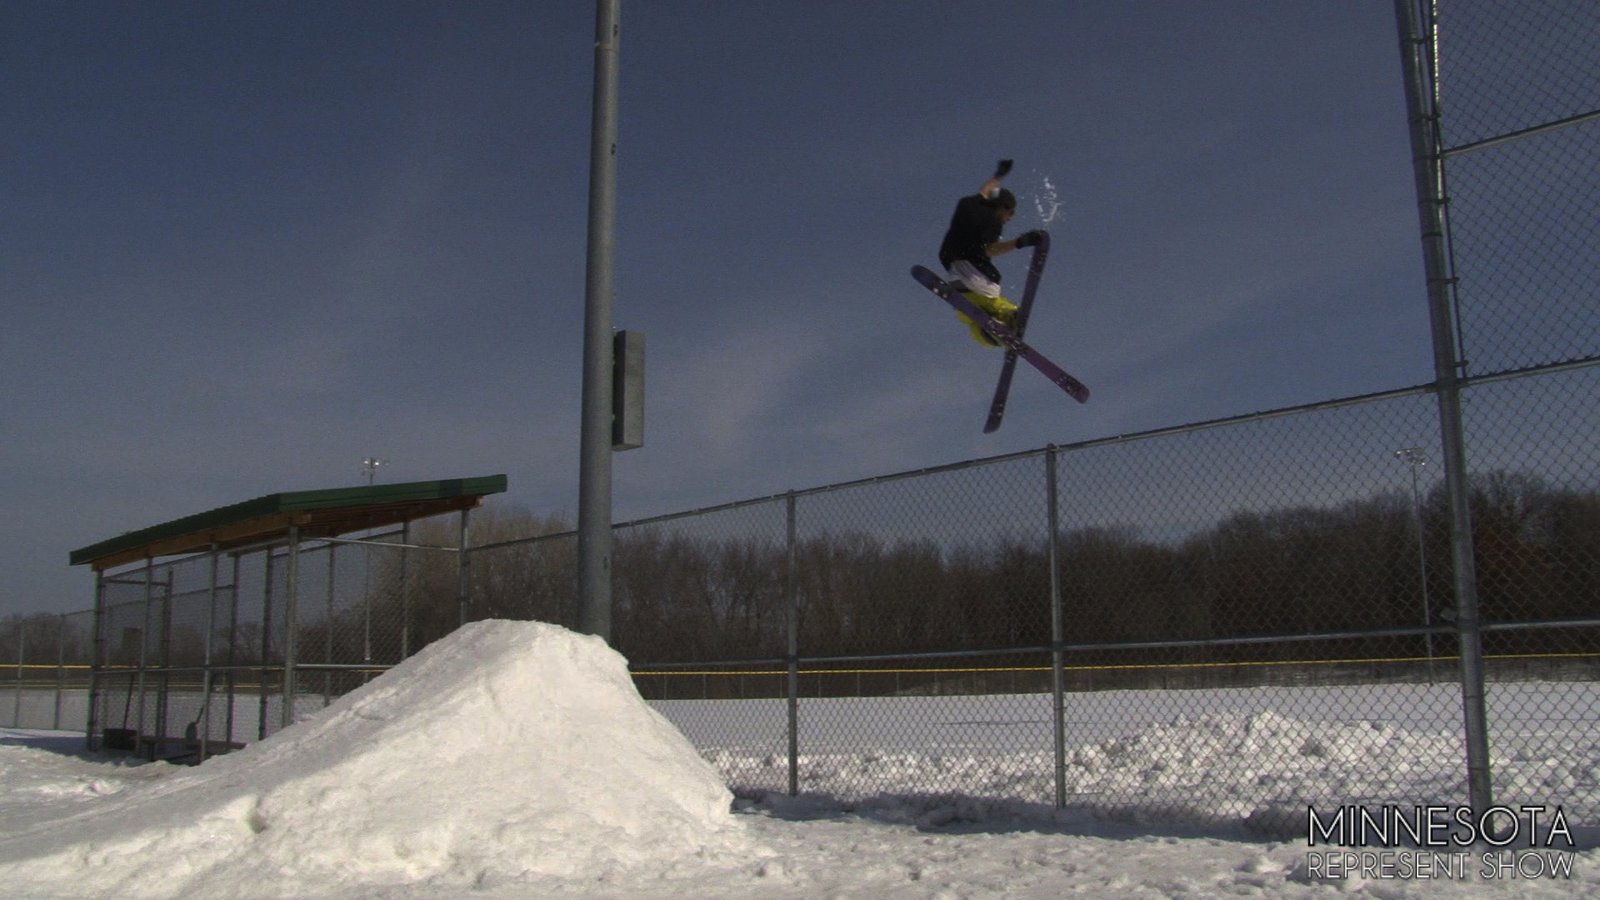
x=324, y=513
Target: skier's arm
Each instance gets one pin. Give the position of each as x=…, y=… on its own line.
x=1025, y=239
x=992, y=186
x=990, y=190
x=1000, y=248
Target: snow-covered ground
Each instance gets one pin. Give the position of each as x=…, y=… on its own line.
x=517, y=760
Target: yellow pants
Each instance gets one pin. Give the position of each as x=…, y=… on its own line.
x=999, y=307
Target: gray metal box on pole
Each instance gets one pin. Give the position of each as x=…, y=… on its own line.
x=627, y=390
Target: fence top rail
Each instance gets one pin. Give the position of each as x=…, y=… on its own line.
x=1090, y=444
x=984, y=461
x=1579, y=119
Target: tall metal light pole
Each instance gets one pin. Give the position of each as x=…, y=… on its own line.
x=371, y=464
x=594, y=470
x=1417, y=459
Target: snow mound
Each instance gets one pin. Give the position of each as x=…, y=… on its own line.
x=505, y=751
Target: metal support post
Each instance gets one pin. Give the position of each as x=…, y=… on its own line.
x=594, y=476
x=266, y=648
x=405, y=600
x=327, y=642
x=233, y=650
x=22, y=659
x=1058, y=679
x=463, y=569
x=97, y=659
x=144, y=644
x=792, y=593
x=207, y=677
x=291, y=627
x=61, y=670
x=1419, y=57
x=163, y=694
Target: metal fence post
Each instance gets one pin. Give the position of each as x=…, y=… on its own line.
x=266, y=647
x=327, y=630
x=96, y=658
x=1418, y=57
x=792, y=590
x=291, y=625
x=22, y=644
x=144, y=645
x=164, y=693
x=463, y=572
x=233, y=651
x=61, y=670
x=405, y=600
x=207, y=675
x=1057, y=628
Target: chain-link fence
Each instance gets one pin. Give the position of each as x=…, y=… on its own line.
x=1517, y=118
x=1335, y=604
x=44, y=670
x=1279, y=584
x=199, y=655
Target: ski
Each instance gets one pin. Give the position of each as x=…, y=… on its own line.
x=1002, y=388
x=1007, y=337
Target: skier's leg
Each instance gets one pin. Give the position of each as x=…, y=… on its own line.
x=984, y=294
x=996, y=306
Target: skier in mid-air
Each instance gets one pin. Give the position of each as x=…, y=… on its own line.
x=972, y=286
x=971, y=243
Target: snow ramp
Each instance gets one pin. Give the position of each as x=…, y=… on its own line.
x=505, y=751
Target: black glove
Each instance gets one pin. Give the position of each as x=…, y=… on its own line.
x=1001, y=170
x=1029, y=238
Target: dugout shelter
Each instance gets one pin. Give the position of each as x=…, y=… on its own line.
x=209, y=628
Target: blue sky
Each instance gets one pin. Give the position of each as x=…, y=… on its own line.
x=248, y=244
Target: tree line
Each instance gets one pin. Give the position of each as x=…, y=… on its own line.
x=1382, y=562
x=1364, y=566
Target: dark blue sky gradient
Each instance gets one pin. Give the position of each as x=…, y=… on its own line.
x=247, y=245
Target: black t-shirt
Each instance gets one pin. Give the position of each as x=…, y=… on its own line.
x=974, y=226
